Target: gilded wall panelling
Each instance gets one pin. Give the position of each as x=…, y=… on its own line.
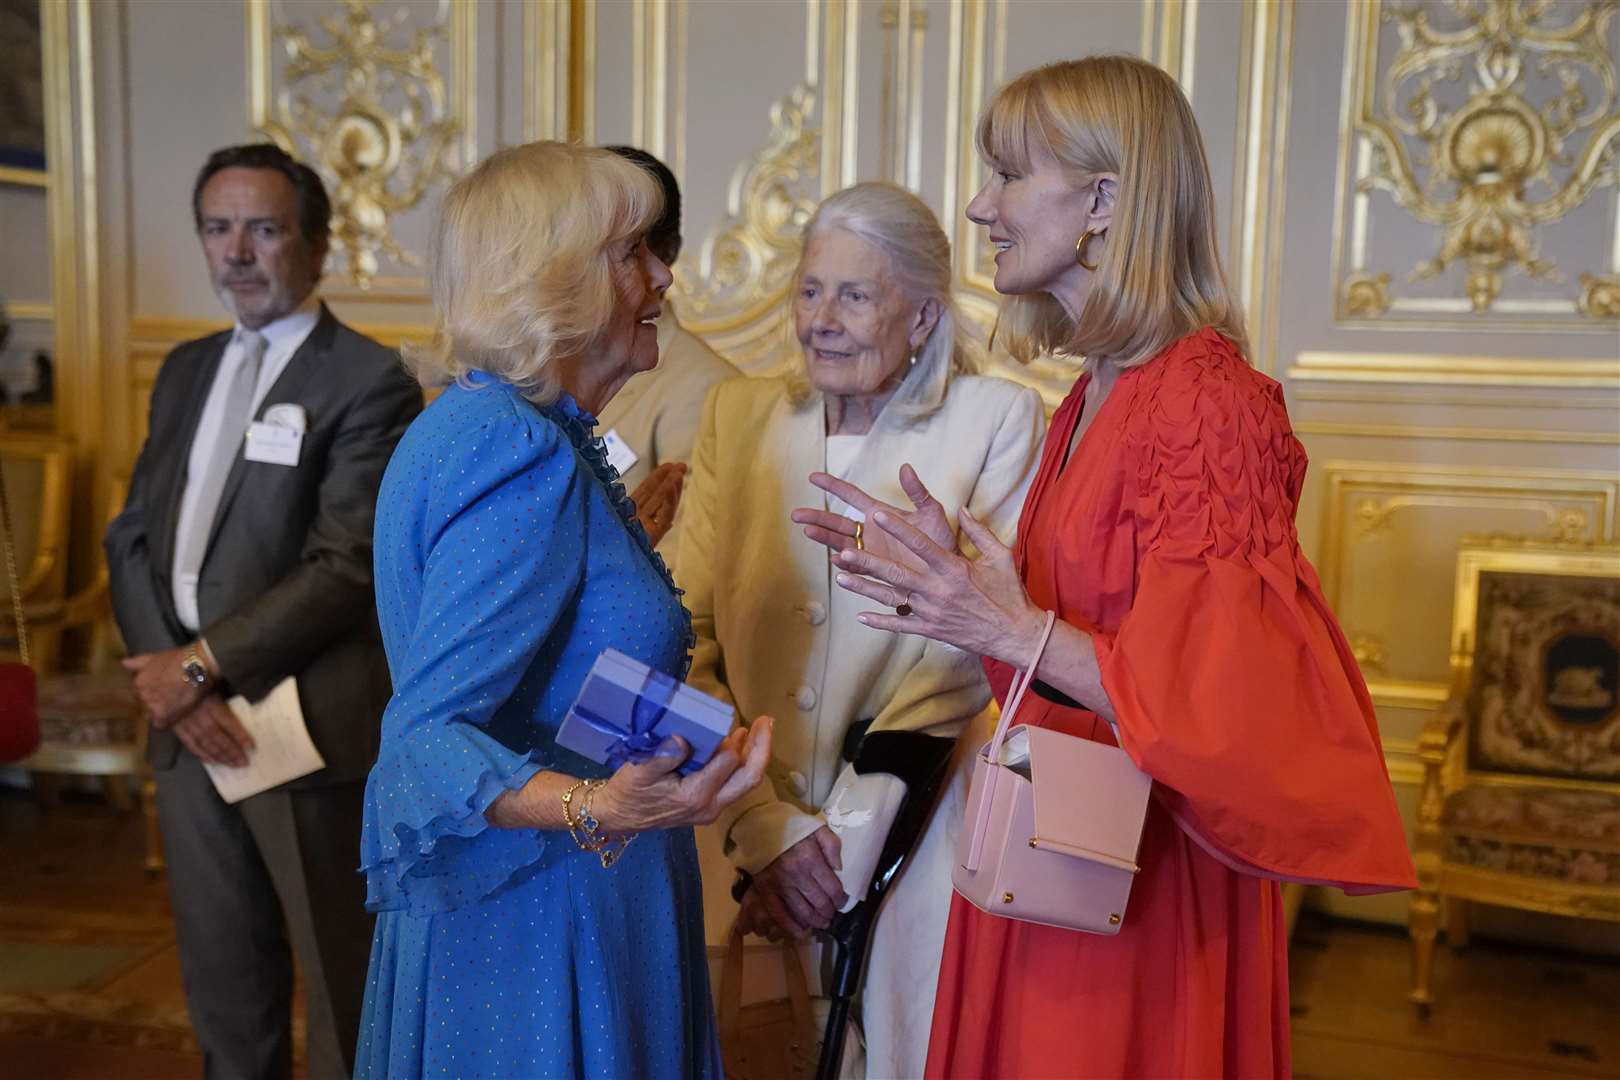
x=365, y=98
x=1389, y=538
x=733, y=293
x=1264, y=78
x=905, y=26
x=553, y=71
x=658, y=81
x=1446, y=396
x=1374, y=430
x=1489, y=123
x=1170, y=37
x=1359, y=367
x=73, y=211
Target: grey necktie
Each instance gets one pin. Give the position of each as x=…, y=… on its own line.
x=234, y=418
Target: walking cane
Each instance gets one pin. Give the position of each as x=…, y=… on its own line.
x=920, y=762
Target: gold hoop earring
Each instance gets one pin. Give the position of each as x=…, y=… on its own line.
x=1080, y=248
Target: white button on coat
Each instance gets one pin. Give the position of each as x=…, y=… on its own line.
x=805, y=698
x=815, y=613
x=799, y=783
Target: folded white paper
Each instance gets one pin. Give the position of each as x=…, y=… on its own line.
x=282, y=751
x=861, y=810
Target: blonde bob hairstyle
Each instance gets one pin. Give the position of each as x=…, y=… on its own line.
x=905, y=230
x=522, y=273
x=1159, y=275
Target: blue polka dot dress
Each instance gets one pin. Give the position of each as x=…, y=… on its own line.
x=506, y=561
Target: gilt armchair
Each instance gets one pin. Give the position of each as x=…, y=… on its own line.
x=1520, y=803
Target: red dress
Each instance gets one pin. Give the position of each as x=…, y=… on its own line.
x=1170, y=538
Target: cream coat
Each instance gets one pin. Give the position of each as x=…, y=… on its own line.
x=776, y=636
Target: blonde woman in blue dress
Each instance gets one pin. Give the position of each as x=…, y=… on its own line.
x=538, y=916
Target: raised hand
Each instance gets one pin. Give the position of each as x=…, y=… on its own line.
x=837, y=532
x=657, y=498
x=978, y=605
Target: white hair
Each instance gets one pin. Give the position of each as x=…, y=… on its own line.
x=900, y=225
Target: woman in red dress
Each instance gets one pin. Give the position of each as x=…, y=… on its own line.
x=1191, y=629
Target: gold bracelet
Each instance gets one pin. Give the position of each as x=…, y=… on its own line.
x=586, y=829
x=608, y=849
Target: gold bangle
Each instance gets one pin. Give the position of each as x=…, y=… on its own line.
x=607, y=848
x=586, y=829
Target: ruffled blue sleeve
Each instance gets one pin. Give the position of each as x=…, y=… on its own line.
x=499, y=544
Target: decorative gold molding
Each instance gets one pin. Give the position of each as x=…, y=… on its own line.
x=1266, y=66
x=1486, y=171
x=151, y=337
x=1600, y=296
x=734, y=294
x=1475, y=370
x=1361, y=429
x=1170, y=37
x=1406, y=694
x=836, y=23
x=72, y=209
x=30, y=310
x=1366, y=296
x=1444, y=396
x=396, y=128
x=658, y=82
x=11, y=174
x=649, y=78
x=582, y=71
x=1362, y=499
x=1369, y=651
x=1378, y=490
x=547, y=69
x=905, y=25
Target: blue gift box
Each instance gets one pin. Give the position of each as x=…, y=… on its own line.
x=625, y=709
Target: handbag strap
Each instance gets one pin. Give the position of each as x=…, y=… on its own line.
x=978, y=828
x=11, y=569
x=1020, y=686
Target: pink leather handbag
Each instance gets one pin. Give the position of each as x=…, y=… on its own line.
x=1053, y=824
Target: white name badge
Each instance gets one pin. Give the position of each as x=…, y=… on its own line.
x=273, y=444
x=619, y=454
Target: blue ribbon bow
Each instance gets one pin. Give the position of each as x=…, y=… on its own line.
x=641, y=741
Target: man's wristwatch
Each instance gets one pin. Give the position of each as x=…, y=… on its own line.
x=193, y=668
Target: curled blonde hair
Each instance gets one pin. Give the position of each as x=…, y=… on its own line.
x=521, y=270
x=900, y=225
x=1159, y=276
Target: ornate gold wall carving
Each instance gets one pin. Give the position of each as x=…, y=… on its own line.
x=1488, y=120
x=363, y=98
x=734, y=294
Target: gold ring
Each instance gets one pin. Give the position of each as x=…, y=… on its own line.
x=860, y=543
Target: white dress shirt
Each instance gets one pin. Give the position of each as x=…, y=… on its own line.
x=282, y=339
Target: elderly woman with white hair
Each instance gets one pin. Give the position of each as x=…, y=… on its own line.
x=883, y=379
x=538, y=915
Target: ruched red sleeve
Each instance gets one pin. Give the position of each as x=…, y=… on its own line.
x=1231, y=680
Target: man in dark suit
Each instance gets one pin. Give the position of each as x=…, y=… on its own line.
x=242, y=558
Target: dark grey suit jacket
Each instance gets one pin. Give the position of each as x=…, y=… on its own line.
x=285, y=587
